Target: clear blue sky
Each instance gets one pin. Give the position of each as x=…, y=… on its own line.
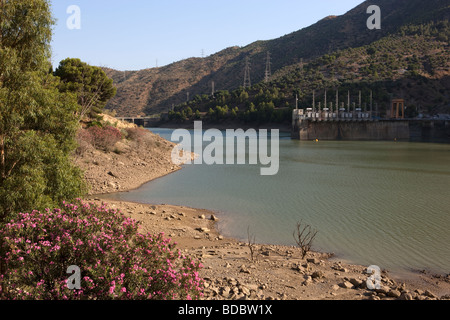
x=134, y=34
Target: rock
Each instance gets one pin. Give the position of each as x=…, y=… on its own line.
x=383, y=290
x=313, y=261
x=308, y=281
x=430, y=294
x=244, y=269
x=335, y=287
x=318, y=275
x=214, y=218
x=406, y=296
x=346, y=285
x=245, y=291
x=197, y=237
x=225, y=291
x=220, y=237
x=202, y=217
x=153, y=213
x=356, y=282
x=419, y=292
x=113, y=174
x=394, y=294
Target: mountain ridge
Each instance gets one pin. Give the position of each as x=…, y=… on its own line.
x=155, y=90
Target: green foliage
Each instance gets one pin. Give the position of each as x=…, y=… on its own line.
x=91, y=85
x=37, y=122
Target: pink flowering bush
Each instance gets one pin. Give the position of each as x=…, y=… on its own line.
x=116, y=261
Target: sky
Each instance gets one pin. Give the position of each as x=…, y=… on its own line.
x=140, y=34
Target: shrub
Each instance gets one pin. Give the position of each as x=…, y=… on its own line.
x=100, y=138
x=136, y=134
x=116, y=261
x=304, y=236
x=84, y=141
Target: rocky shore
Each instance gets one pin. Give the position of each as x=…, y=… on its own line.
x=230, y=272
x=276, y=272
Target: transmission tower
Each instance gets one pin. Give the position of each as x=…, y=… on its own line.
x=247, y=80
x=268, y=69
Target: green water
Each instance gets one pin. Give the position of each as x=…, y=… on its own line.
x=381, y=203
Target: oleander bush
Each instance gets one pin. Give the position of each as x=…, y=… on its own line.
x=115, y=260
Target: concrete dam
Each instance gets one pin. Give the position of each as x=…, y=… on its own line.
x=361, y=126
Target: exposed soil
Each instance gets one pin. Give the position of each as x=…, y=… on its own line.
x=131, y=165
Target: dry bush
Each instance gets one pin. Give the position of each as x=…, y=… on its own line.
x=252, y=245
x=141, y=136
x=99, y=138
x=304, y=236
x=84, y=141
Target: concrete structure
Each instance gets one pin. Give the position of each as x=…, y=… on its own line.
x=398, y=109
x=146, y=122
x=359, y=125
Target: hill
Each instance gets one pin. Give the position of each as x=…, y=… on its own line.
x=156, y=90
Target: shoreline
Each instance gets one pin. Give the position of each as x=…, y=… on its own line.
x=230, y=257
x=278, y=272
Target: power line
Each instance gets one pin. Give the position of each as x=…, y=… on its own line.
x=268, y=73
x=247, y=80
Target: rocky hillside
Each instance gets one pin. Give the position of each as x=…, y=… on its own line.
x=155, y=90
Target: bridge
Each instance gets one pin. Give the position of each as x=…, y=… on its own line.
x=141, y=121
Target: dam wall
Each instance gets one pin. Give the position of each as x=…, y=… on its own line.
x=400, y=130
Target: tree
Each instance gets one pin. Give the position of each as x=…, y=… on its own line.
x=91, y=85
x=243, y=96
x=37, y=122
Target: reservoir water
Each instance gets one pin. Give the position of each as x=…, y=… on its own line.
x=373, y=203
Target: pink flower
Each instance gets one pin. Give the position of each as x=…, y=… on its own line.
x=113, y=287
